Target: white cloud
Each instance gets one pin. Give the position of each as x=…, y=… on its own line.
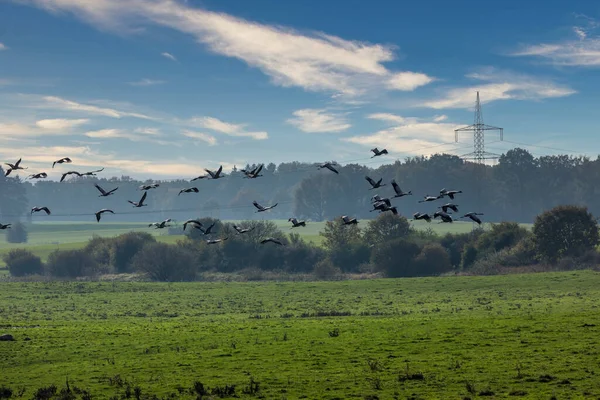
x=580, y=32
x=106, y=133
x=499, y=86
x=60, y=123
x=318, y=120
x=123, y=134
x=3, y=46
x=440, y=118
x=226, y=128
x=148, y=131
x=58, y=103
x=205, y=137
x=146, y=82
x=387, y=117
x=410, y=137
x=315, y=62
x=169, y=56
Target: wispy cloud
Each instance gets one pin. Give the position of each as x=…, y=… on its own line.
x=205, y=137
x=226, y=128
x=315, y=62
x=44, y=127
x=499, y=85
x=410, y=136
x=318, y=120
x=58, y=103
x=387, y=117
x=147, y=82
x=3, y=46
x=124, y=134
x=147, y=131
x=60, y=123
x=169, y=56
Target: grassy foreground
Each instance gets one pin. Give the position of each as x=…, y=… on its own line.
x=530, y=336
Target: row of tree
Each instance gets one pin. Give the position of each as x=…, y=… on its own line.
x=518, y=188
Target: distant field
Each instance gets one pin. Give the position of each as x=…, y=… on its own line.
x=47, y=237
x=513, y=336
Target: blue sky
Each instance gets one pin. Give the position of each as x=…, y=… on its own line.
x=165, y=88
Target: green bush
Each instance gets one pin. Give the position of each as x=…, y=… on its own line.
x=100, y=249
x=396, y=258
x=501, y=236
x=21, y=262
x=17, y=233
x=469, y=256
x=125, y=247
x=386, y=226
x=71, y=264
x=165, y=263
x=432, y=260
x=325, y=269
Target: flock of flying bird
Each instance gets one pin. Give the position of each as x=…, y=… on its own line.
x=381, y=204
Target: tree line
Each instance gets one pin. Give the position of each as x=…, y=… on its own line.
x=517, y=188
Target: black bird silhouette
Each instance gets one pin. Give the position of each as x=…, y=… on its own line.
x=148, y=187
x=66, y=160
x=91, y=173
x=473, y=216
x=104, y=193
x=139, y=203
x=398, y=191
x=215, y=241
x=447, y=206
x=377, y=152
x=215, y=175
x=272, y=240
x=349, y=221
x=40, y=175
x=189, y=190
x=160, y=225
x=69, y=173
x=385, y=208
x=381, y=204
x=99, y=213
x=426, y=217
x=5, y=226
x=296, y=223
x=208, y=230
x=449, y=193
x=254, y=173
x=14, y=167
x=444, y=216
x=242, y=230
x=329, y=166
x=36, y=209
x=261, y=208
x=194, y=222
x=199, y=177
x=375, y=185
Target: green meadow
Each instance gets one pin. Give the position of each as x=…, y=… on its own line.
x=513, y=336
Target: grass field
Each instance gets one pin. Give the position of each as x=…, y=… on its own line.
x=47, y=237
x=529, y=336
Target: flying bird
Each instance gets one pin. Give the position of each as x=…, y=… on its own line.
x=40, y=175
x=398, y=191
x=148, y=187
x=261, y=208
x=5, y=226
x=242, y=230
x=381, y=205
x=349, y=221
x=377, y=152
x=272, y=240
x=194, y=222
x=91, y=173
x=426, y=217
x=254, y=173
x=199, y=177
x=215, y=241
x=430, y=198
x=444, y=216
x=296, y=223
x=329, y=166
x=14, y=167
x=375, y=185
x=449, y=193
x=66, y=160
x=139, y=203
x=385, y=208
x=473, y=216
x=36, y=209
x=99, y=213
x=104, y=193
x=208, y=230
x=160, y=225
x=215, y=175
x=447, y=206
x=189, y=190
x=69, y=173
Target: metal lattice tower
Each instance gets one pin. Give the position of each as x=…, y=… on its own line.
x=479, y=155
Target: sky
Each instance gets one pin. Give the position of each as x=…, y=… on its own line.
x=164, y=88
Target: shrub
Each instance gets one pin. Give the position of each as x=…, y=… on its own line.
x=164, y=262
x=71, y=264
x=432, y=260
x=197, y=234
x=396, y=258
x=100, y=249
x=21, y=262
x=501, y=236
x=126, y=246
x=336, y=235
x=300, y=256
x=17, y=233
x=350, y=257
x=325, y=269
x=455, y=244
x=565, y=231
x=386, y=226
x=468, y=257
